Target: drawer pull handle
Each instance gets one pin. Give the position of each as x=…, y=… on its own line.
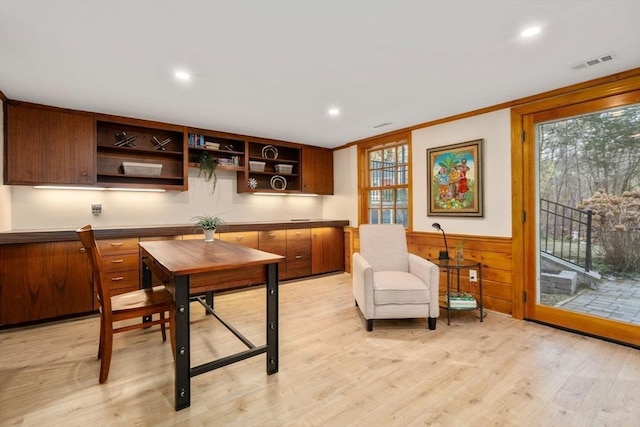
x=117, y=243
x=82, y=250
x=298, y=233
x=298, y=256
x=117, y=279
x=117, y=261
x=272, y=234
x=239, y=237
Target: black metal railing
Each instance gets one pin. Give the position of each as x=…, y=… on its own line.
x=566, y=233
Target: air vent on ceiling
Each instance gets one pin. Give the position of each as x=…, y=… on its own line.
x=593, y=61
x=380, y=125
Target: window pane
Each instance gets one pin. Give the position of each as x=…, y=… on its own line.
x=403, y=154
x=402, y=217
x=388, y=198
x=374, y=216
x=375, y=159
x=387, y=216
x=389, y=177
x=375, y=178
x=390, y=156
x=403, y=175
x=374, y=198
x=401, y=198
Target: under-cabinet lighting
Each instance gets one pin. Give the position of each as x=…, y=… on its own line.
x=285, y=194
x=56, y=187
x=182, y=75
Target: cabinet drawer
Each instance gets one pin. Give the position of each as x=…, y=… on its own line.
x=118, y=246
x=274, y=241
x=122, y=262
x=123, y=280
x=298, y=267
x=245, y=238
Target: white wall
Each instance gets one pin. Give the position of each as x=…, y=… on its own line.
x=344, y=203
x=494, y=128
x=5, y=190
x=33, y=208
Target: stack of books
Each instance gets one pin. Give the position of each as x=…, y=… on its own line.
x=461, y=300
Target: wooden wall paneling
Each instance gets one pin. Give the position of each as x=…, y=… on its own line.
x=494, y=254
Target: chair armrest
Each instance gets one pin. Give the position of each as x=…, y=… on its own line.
x=363, y=284
x=429, y=273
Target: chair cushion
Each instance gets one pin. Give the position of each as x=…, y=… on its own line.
x=384, y=246
x=398, y=287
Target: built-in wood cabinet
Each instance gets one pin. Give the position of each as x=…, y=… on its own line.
x=49, y=146
x=49, y=275
x=44, y=280
x=327, y=250
x=317, y=170
x=298, y=253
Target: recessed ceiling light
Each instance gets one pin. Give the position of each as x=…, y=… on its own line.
x=334, y=111
x=182, y=75
x=530, y=32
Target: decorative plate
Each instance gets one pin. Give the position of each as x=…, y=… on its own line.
x=253, y=183
x=270, y=152
x=278, y=183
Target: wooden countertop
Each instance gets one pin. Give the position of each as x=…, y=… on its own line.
x=43, y=236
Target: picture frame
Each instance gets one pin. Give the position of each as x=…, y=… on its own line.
x=454, y=180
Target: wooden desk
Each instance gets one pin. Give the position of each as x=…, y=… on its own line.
x=191, y=266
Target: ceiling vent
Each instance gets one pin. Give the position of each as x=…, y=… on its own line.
x=593, y=61
x=380, y=125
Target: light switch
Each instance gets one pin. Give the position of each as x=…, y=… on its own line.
x=473, y=276
x=96, y=208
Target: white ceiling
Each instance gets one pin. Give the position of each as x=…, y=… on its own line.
x=273, y=68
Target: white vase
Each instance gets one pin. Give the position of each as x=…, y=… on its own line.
x=209, y=235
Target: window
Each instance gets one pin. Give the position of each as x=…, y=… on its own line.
x=384, y=187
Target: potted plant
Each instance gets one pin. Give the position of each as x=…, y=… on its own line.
x=209, y=224
x=207, y=165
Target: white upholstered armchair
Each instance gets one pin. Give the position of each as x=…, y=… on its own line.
x=391, y=283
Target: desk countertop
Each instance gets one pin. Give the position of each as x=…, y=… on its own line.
x=62, y=235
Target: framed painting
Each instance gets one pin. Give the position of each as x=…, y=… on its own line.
x=454, y=174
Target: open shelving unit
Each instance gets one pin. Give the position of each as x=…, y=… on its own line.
x=118, y=143
x=271, y=155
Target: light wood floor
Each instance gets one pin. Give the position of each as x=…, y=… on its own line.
x=502, y=372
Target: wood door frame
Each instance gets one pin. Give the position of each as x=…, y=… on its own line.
x=524, y=256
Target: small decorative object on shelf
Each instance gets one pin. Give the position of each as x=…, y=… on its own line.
x=278, y=183
x=122, y=140
x=461, y=300
x=253, y=183
x=159, y=145
x=269, y=152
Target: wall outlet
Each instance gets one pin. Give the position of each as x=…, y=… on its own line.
x=96, y=208
x=473, y=276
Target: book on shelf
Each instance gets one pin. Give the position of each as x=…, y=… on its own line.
x=461, y=300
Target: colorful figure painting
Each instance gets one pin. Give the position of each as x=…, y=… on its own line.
x=455, y=178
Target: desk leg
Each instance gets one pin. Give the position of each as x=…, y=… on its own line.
x=182, y=357
x=272, y=318
x=448, y=296
x=480, y=287
x=147, y=283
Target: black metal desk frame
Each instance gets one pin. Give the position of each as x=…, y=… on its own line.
x=183, y=369
x=453, y=264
